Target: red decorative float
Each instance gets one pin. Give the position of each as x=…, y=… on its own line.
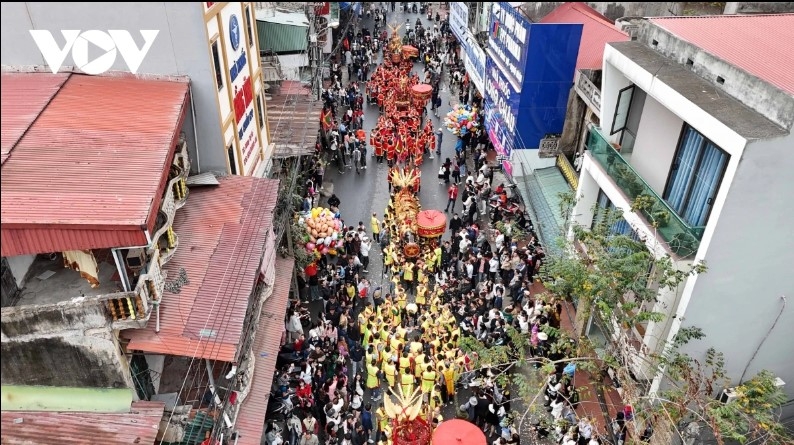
x=412, y=250
x=458, y=432
x=431, y=223
x=410, y=51
x=413, y=432
x=422, y=91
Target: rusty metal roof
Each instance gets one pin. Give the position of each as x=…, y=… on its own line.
x=597, y=31
x=759, y=44
x=294, y=119
x=251, y=420
x=139, y=426
x=24, y=96
x=89, y=171
x=222, y=232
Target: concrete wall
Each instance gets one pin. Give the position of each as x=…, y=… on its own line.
x=291, y=65
x=749, y=259
x=64, y=344
x=19, y=266
x=747, y=88
x=179, y=49
x=657, y=139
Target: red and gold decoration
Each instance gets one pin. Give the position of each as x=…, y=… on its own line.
x=408, y=427
x=402, y=99
x=458, y=432
x=431, y=223
x=412, y=250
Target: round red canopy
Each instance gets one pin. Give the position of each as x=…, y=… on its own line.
x=458, y=432
x=422, y=91
x=431, y=223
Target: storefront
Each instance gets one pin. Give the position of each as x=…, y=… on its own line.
x=528, y=75
x=473, y=56
x=233, y=47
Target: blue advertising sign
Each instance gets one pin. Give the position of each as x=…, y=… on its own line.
x=509, y=33
x=501, y=107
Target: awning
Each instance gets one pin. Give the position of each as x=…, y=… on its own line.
x=294, y=120
x=251, y=419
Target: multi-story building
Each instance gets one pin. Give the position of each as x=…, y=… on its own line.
x=696, y=135
x=121, y=297
x=215, y=44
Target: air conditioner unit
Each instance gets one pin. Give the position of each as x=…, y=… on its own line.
x=728, y=395
x=136, y=259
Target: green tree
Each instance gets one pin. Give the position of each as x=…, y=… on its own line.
x=610, y=276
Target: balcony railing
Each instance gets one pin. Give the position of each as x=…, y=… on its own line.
x=588, y=91
x=682, y=238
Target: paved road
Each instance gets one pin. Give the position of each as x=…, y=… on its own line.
x=365, y=193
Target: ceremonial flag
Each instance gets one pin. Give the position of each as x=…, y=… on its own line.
x=326, y=120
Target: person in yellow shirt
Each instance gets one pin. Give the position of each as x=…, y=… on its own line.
x=428, y=379
x=419, y=365
x=420, y=271
x=383, y=421
x=407, y=383
x=396, y=342
x=401, y=298
x=449, y=382
x=390, y=370
x=408, y=276
x=404, y=363
x=421, y=296
x=375, y=226
x=373, y=382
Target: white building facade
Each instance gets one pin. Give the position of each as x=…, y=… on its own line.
x=213, y=43
x=701, y=129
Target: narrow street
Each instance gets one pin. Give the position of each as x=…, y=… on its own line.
x=367, y=193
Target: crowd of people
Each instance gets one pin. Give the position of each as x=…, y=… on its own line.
x=404, y=332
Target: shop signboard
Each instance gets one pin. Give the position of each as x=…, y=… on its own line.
x=507, y=42
x=501, y=108
x=459, y=20
x=475, y=62
x=243, y=100
x=526, y=100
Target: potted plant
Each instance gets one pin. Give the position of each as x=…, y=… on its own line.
x=623, y=174
x=660, y=217
x=643, y=203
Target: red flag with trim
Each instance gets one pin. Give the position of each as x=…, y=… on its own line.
x=326, y=120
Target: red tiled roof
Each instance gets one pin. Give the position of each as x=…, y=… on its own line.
x=250, y=421
x=754, y=43
x=139, y=426
x=293, y=118
x=89, y=171
x=24, y=96
x=597, y=31
x=222, y=232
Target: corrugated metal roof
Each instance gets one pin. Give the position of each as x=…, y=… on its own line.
x=24, y=96
x=202, y=179
x=759, y=44
x=281, y=38
x=222, y=232
x=597, y=31
x=90, y=171
x=250, y=421
x=282, y=17
x=294, y=119
x=139, y=426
